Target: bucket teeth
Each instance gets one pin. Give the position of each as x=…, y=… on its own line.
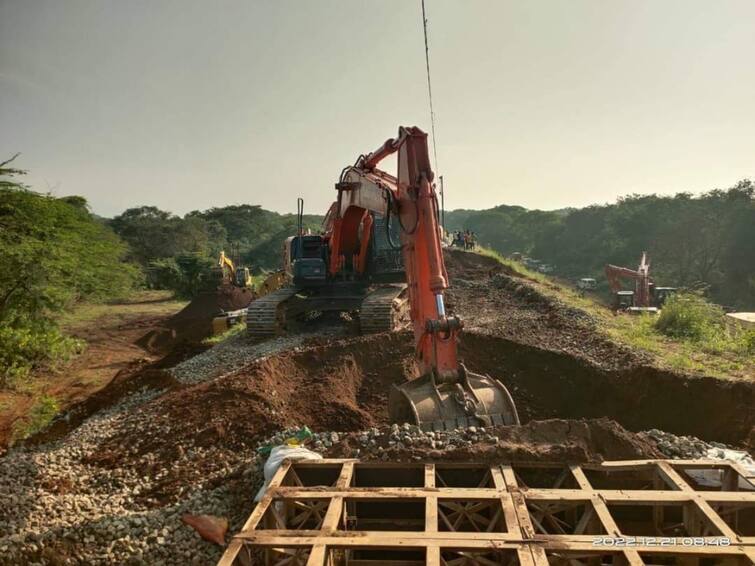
x=475, y=400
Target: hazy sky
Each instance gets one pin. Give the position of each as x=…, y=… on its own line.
x=187, y=105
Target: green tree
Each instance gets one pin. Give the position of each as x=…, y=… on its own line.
x=53, y=253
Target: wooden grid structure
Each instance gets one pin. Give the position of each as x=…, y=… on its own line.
x=350, y=513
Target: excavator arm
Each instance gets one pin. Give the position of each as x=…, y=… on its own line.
x=445, y=395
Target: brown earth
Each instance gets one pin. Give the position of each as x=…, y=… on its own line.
x=342, y=387
x=558, y=368
x=495, y=300
x=111, y=355
x=193, y=323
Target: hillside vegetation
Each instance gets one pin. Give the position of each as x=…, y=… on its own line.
x=689, y=335
x=701, y=242
x=53, y=254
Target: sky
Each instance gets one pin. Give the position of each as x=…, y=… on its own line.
x=188, y=104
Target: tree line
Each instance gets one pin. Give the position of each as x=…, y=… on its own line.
x=704, y=242
x=55, y=253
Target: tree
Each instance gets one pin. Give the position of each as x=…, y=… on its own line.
x=53, y=253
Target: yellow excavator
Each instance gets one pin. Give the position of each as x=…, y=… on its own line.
x=238, y=276
x=230, y=274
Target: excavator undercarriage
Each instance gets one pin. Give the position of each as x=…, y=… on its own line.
x=379, y=308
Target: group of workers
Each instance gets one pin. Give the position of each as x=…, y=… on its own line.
x=465, y=239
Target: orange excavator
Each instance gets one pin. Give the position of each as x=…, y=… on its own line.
x=642, y=284
x=349, y=258
x=646, y=297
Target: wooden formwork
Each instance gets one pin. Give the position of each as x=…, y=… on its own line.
x=350, y=513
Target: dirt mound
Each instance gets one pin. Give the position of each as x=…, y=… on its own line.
x=509, y=306
x=193, y=323
x=461, y=264
x=342, y=386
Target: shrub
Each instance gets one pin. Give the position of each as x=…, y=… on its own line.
x=691, y=317
x=31, y=345
x=186, y=275
x=40, y=415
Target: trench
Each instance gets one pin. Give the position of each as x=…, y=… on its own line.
x=548, y=384
x=344, y=386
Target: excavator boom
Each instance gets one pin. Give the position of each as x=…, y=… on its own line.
x=445, y=395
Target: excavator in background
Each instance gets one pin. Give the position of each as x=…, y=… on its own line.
x=238, y=276
x=227, y=278
x=380, y=251
x=646, y=297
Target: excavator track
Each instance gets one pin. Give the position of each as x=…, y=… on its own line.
x=382, y=309
x=265, y=316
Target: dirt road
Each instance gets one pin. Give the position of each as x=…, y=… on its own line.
x=110, y=333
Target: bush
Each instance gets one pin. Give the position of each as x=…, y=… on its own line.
x=691, y=317
x=186, y=275
x=31, y=345
x=54, y=253
x=41, y=414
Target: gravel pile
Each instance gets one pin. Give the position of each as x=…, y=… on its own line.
x=230, y=355
x=690, y=448
x=59, y=509
x=379, y=442
x=239, y=350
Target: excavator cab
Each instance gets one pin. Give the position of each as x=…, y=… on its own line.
x=623, y=300
x=306, y=255
x=661, y=294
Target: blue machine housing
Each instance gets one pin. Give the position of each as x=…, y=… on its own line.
x=308, y=260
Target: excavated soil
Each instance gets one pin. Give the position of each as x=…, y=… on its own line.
x=495, y=300
x=343, y=387
x=193, y=323
x=550, y=356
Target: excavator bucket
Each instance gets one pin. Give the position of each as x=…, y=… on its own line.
x=473, y=400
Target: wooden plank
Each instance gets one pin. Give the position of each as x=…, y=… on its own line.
x=229, y=556
x=429, y=475
x=538, y=556
x=723, y=528
x=612, y=495
x=672, y=477
x=419, y=539
x=601, y=510
x=332, y=518
x=344, y=478
x=526, y=528
x=432, y=555
x=509, y=477
x=431, y=514
x=317, y=555
x=580, y=477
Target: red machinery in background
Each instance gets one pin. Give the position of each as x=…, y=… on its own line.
x=642, y=284
x=646, y=297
